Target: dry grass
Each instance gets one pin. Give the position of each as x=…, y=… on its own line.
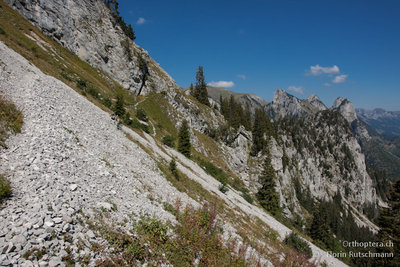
x=11, y=120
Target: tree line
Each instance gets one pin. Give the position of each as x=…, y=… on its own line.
x=113, y=6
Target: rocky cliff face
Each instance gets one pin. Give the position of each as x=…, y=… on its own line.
x=88, y=29
x=316, y=102
x=315, y=153
x=346, y=108
x=286, y=105
x=252, y=100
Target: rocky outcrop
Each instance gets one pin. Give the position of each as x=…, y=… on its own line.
x=286, y=105
x=346, y=108
x=314, y=101
x=88, y=29
x=252, y=100
x=320, y=152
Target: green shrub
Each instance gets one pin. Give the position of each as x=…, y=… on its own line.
x=153, y=228
x=137, y=125
x=2, y=31
x=93, y=92
x=11, y=120
x=141, y=115
x=247, y=197
x=168, y=140
x=107, y=102
x=136, y=251
x=5, y=188
x=223, y=188
x=81, y=84
x=214, y=171
x=298, y=244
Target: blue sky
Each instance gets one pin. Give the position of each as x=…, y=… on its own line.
x=328, y=48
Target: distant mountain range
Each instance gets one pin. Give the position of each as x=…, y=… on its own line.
x=377, y=131
x=252, y=100
x=385, y=123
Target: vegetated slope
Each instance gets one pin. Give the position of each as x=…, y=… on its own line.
x=71, y=158
x=233, y=157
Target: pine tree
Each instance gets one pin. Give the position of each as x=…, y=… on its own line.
x=184, y=139
x=113, y=5
x=201, y=87
x=247, y=117
x=267, y=195
x=319, y=229
x=389, y=223
x=130, y=33
x=173, y=169
x=258, y=132
x=193, y=91
x=119, y=106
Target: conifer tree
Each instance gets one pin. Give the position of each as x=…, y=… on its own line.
x=184, y=139
x=319, y=229
x=192, y=91
x=247, y=117
x=267, y=195
x=173, y=169
x=389, y=223
x=201, y=87
x=258, y=132
x=130, y=33
x=119, y=106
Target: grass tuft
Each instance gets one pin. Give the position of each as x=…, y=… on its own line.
x=5, y=188
x=11, y=120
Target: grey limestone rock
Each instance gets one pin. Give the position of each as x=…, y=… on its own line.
x=346, y=108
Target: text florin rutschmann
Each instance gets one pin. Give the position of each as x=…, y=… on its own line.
x=366, y=254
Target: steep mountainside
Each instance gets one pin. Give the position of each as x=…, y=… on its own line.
x=72, y=165
x=117, y=153
x=380, y=153
x=88, y=29
x=85, y=188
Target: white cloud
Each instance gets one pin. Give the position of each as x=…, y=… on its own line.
x=141, y=21
x=296, y=89
x=318, y=70
x=242, y=76
x=225, y=84
x=340, y=78
x=327, y=84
